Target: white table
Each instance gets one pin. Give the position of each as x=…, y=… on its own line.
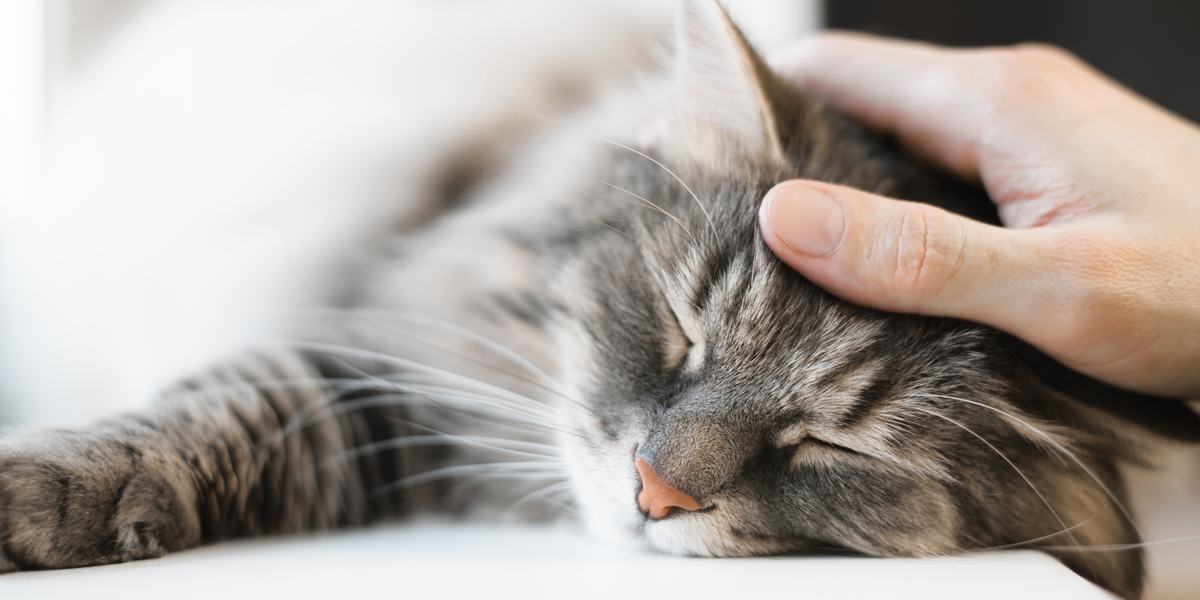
x=444, y=561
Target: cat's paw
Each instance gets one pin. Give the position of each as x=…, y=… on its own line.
x=72, y=500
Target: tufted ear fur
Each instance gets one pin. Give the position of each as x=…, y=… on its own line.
x=731, y=110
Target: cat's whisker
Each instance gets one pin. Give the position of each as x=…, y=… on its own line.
x=1120, y=547
x=435, y=439
x=457, y=378
x=428, y=370
x=483, y=340
x=437, y=381
x=545, y=492
x=610, y=227
x=643, y=201
x=1112, y=497
x=440, y=392
x=279, y=384
x=531, y=449
x=1035, y=540
x=408, y=396
x=457, y=397
x=491, y=420
x=437, y=394
x=703, y=209
x=407, y=399
x=445, y=326
x=523, y=470
x=1006, y=459
x=431, y=384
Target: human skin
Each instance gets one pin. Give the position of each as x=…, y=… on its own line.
x=1098, y=261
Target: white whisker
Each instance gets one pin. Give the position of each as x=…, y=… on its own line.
x=436, y=439
x=703, y=209
x=1057, y=446
x=638, y=197
x=543, y=493
x=487, y=343
x=1118, y=547
x=1037, y=539
x=1004, y=457
x=496, y=470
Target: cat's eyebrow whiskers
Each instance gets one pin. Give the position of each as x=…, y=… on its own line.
x=610, y=227
x=640, y=198
x=703, y=209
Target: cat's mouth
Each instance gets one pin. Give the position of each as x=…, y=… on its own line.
x=682, y=514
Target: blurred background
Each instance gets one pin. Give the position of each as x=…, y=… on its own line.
x=170, y=168
x=1148, y=46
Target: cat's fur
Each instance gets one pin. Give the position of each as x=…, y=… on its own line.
x=583, y=309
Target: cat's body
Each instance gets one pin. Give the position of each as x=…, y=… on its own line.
x=602, y=301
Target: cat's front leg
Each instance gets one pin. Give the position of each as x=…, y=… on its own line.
x=74, y=499
x=253, y=447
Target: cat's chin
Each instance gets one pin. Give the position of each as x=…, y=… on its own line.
x=675, y=536
x=686, y=535
x=623, y=532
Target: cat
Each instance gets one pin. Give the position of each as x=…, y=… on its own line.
x=599, y=325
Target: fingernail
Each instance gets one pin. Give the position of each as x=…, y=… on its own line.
x=806, y=219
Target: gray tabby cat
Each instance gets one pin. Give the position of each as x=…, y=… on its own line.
x=611, y=329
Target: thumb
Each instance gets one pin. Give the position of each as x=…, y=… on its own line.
x=905, y=256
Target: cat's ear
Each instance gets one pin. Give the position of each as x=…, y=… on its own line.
x=730, y=109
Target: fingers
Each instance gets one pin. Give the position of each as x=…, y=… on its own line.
x=905, y=256
x=942, y=103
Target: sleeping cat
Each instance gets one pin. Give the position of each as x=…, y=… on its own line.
x=598, y=330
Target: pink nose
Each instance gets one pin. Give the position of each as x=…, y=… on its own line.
x=659, y=498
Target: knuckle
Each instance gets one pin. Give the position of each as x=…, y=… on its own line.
x=1014, y=71
x=1040, y=53
x=927, y=252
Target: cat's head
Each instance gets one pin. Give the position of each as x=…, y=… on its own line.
x=756, y=414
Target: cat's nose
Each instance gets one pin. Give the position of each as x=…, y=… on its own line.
x=658, y=499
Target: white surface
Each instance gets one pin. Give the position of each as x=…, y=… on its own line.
x=459, y=561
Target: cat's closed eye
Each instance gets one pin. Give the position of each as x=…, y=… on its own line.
x=804, y=446
x=812, y=446
x=680, y=341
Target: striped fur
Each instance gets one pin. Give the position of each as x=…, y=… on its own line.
x=613, y=301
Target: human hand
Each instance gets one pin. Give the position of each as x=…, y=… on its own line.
x=1098, y=264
